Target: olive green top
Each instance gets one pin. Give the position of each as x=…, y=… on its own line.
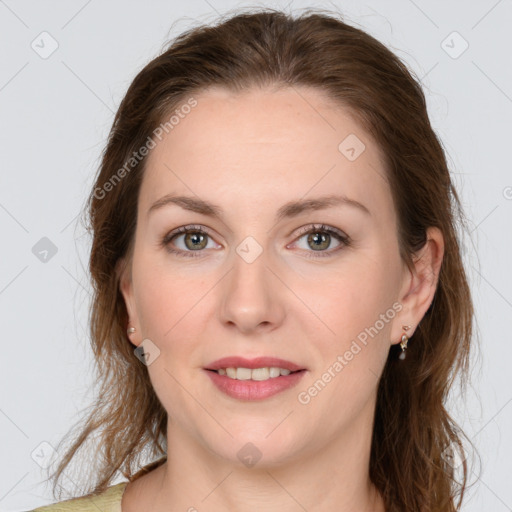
x=108, y=501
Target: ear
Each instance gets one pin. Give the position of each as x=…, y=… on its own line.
x=124, y=272
x=419, y=286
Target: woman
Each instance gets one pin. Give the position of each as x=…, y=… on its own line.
x=280, y=302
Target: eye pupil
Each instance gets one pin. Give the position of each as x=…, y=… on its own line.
x=196, y=239
x=319, y=240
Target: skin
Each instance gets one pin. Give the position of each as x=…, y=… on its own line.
x=250, y=153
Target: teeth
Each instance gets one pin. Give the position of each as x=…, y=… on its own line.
x=256, y=374
x=275, y=372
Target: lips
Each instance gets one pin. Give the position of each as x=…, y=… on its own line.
x=258, y=362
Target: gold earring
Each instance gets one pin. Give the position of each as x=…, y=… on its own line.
x=403, y=342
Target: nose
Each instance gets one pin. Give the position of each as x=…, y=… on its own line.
x=253, y=297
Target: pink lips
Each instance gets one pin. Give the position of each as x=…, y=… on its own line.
x=253, y=389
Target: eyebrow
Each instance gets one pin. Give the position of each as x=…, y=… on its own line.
x=288, y=210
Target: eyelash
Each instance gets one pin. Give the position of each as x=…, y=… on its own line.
x=314, y=228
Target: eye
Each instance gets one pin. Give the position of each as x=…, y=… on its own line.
x=319, y=237
x=194, y=239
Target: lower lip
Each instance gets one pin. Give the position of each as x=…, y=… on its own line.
x=254, y=389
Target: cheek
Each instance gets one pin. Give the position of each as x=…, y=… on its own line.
x=352, y=299
x=171, y=314
x=166, y=296
x=358, y=307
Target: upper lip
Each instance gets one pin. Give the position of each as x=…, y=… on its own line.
x=258, y=362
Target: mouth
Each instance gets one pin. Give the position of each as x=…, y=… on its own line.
x=254, y=379
x=253, y=384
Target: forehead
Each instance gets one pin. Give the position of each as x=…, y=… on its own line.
x=265, y=145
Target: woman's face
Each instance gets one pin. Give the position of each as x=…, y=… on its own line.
x=262, y=278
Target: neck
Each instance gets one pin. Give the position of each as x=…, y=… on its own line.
x=331, y=476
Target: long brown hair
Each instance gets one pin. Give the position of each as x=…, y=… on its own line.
x=413, y=432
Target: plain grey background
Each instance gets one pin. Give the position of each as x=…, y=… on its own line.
x=65, y=67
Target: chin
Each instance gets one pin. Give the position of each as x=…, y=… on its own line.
x=249, y=448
